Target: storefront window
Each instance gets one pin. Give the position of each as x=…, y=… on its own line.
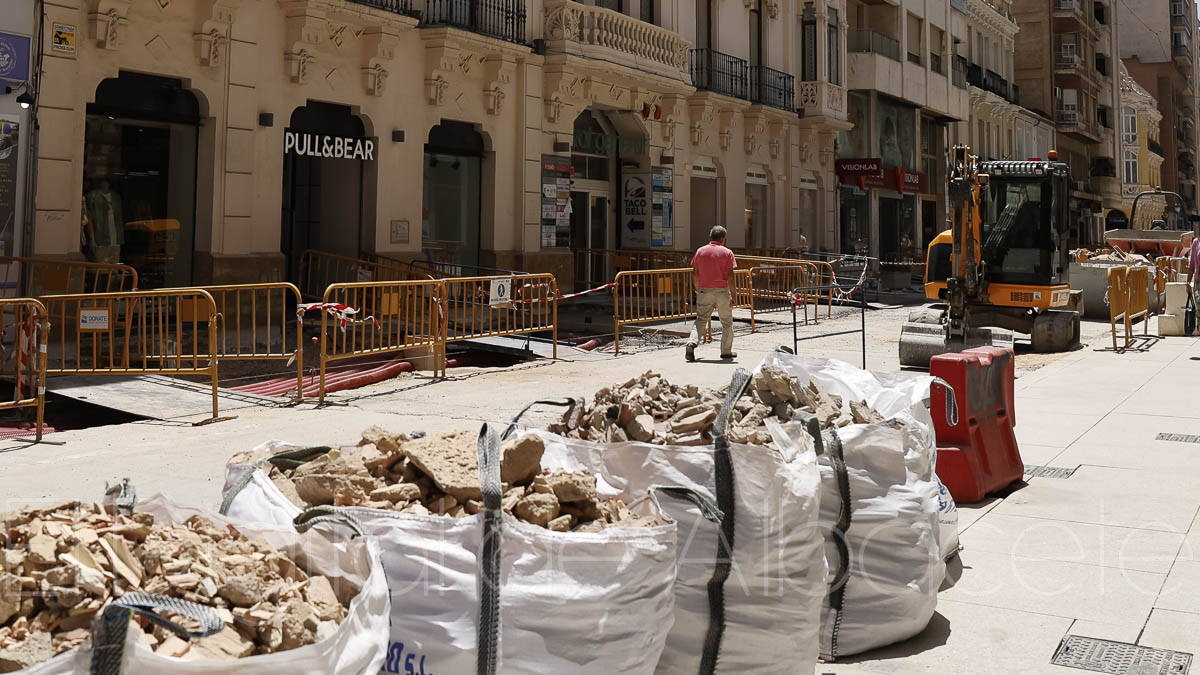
x=450, y=229
x=856, y=141
x=856, y=238
x=758, y=221
x=139, y=182
x=897, y=131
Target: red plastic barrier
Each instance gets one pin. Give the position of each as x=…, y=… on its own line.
x=979, y=454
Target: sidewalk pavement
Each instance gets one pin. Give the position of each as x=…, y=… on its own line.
x=1111, y=552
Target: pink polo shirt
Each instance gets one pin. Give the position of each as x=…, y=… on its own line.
x=1194, y=258
x=712, y=263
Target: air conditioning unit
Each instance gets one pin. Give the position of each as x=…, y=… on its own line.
x=1058, y=92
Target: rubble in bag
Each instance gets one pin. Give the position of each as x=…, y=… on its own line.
x=652, y=410
x=438, y=474
x=60, y=567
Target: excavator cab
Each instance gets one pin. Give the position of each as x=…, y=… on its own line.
x=1006, y=254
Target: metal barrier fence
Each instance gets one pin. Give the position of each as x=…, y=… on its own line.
x=777, y=288
x=470, y=313
x=24, y=329
x=35, y=277
x=597, y=266
x=319, y=270
x=258, y=322
x=1128, y=300
x=392, y=316
x=643, y=296
x=166, y=331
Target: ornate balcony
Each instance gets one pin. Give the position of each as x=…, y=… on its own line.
x=773, y=88
x=501, y=19
x=822, y=99
x=599, y=33
x=720, y=73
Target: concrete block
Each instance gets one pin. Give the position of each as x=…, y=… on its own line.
x=1170, y=325
x=1176, y=297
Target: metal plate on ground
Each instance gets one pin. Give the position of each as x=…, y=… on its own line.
x=1179, y=438
x=1119, y=658
x=152, y=396
x=1035, y=471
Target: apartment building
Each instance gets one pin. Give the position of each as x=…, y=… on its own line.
x=905, y=89
x=1065, y=65
x=1142, y=153
x=999, y=127
x=1158, y=47
x=232, y=135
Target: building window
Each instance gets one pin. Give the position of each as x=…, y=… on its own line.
x=1178, y=7
x=756, y=33
x=1131, y=167
x=758, y=216
x=703, y=24
x=1129, y=128
x=936, y=39
x=915, y=33
x=808, y=44
x=833, y=45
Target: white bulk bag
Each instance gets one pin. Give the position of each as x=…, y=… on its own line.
x=880, y=508
x=569, y=602
x=357, y=647
x=776, y=580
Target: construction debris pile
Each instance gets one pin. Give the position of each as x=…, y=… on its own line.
x=650, y=409
x=59, y=567
x=1110, y=255
x=438, y=475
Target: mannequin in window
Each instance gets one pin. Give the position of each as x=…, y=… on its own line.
x=104, y=209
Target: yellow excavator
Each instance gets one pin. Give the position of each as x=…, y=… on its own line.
x=1002, y=266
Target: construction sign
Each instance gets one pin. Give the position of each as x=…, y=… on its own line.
x=63, y=38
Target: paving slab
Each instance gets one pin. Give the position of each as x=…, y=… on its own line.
x=1108, y=496
x=1115, y=547
x=1178, y=631
x=1071, y=590
x=1181, y=591
x=1039, y=427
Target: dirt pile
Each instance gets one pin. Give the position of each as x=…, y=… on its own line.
x=59, y=567
x=438, y=475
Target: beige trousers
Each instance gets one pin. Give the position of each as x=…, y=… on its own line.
x=708, y=299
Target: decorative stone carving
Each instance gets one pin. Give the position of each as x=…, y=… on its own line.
x=726, y=137
x=106, y=18
x=837, y=97
x=211, y=46
x=562, y=22
x=435, y=90
x=299, y=64
x=494, y=100
x=375, y=79
x=337, y=33
x=554, y=107
x=772, y=8
x=808, y=94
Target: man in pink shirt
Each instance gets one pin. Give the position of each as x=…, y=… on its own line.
x=713, y=266
x=1194, y=266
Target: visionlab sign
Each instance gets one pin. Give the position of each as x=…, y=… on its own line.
x=324, y=145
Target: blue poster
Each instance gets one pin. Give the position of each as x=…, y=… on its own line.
x=14, y=57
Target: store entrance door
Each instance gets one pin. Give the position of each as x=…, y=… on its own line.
x=322, y=185
x=590, y=228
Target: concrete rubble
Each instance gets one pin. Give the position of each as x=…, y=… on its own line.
x=439, y=475
x=59, y=567
x=650, y=409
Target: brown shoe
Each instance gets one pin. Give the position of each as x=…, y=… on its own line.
x=729, y=356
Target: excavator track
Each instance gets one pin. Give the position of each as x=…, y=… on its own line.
x=924, y=336
x=1055, y=331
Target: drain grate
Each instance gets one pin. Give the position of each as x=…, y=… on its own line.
x=1035, y=471
x=1119, y=658
x=1179, y=438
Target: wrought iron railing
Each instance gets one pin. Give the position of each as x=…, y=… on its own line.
x=994, y=83
x=1014, y=94
x=866, y=41
x=404, y=7
x=772, y=87
x=1067, y=6
x=720, y=73
x=501, y=19
x=975, y=75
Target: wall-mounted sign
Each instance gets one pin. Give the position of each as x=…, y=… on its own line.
x=662, y=227
x=62, y=40
x=635, y=211
x=586, y=140
x=14, y=57
x=10, y=144
x=556, y=201
x=859, y=167
x=324, y=145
